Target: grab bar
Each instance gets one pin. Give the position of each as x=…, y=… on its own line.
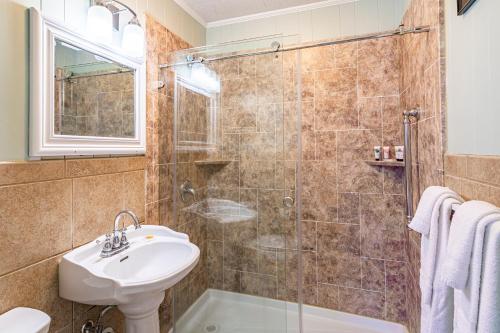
x=407, y=115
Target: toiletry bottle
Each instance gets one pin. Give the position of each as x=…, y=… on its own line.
x=400, y=153
x=387, y=152
x=377, y=152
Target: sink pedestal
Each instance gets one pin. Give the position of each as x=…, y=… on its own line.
x=142, y=314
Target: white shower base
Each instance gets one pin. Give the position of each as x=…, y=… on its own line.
x=219, y=311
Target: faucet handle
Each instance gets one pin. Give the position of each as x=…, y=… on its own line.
x=108, y=247
x=124, y=240
x=116, y=240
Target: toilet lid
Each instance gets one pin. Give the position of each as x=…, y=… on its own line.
x=23, y=320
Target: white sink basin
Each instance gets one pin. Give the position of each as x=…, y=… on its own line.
x=135, y=279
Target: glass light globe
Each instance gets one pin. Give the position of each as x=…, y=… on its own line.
x=133, y=40
x=100, y=24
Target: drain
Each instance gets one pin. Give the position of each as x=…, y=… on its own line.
x=211, y=328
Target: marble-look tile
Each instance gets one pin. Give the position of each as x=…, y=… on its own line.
x=382, y=226
x=232, y=280
x=338, y=238
x=259, y=285
x=393, y=180
x=378, y=67
x=455, y=165
x=26, y=172
x=215, y=259
x=336, y=81
x=336, y=112
x=328, y=296
x=257, y=146
x=341, y=269
x=484, y=169
x=36, y=222
x=100, y=166
x=231, y=147
x=346, y=55
x=257, y=174
x=318, y=58
x=357, y=144
x=241, y=258
x=319, y=194
x=396, y=291
x=134, y=194
x=226, y=177
x=271, y=218
x=268, y=262
x=326, y=145
x=430, y=156
x=309, y=232
x=96, y=201
x=37, y=287
x=373, y=274
x=362, y=302
x=357, y=176
x=349, y=208
x=370, y=113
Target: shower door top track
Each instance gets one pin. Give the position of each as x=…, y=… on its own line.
x=397, y=32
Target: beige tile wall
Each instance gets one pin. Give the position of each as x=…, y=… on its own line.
x=474, y=177
x=48, y=208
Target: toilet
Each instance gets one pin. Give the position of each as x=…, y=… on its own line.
x=24, y=320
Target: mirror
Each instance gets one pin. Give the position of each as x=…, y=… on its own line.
x=85, y=98
x=197, y=100
x=93, y=96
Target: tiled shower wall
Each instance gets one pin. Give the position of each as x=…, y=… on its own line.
x=423, y=85
x=166, y=168
x=352, y=213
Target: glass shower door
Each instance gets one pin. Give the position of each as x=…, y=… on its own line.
x=236, y=146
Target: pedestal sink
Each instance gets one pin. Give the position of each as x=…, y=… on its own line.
x=135, y=280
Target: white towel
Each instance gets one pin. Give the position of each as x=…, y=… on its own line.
x=461, y=241
x=489, y=309
x=421, y=222
x=467, y=301
x=428, y=225
x=438, y=315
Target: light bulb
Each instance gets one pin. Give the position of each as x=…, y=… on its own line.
x=133, y=40
x=100, y=24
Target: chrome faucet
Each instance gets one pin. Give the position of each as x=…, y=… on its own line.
x=119, y=241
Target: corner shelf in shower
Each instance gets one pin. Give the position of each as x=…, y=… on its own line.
x=387, y=163
x=212, y=162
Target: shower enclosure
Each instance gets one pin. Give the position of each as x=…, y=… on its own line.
x=298, y=233
x=236, y=121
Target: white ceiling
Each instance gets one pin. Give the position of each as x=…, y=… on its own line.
x=209, y=11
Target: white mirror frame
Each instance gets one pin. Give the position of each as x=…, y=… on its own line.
x=42, y=140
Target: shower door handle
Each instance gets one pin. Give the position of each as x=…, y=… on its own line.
x=288, y=202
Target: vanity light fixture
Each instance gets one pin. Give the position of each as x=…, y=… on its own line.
x=133, y=38
x=104, y=18
x=100, y=24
